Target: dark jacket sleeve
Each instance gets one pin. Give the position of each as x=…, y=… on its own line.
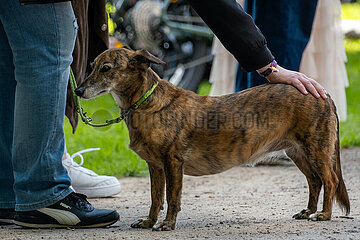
x=236, y=30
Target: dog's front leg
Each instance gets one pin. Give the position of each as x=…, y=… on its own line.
x=157, y=178
x=174, y=176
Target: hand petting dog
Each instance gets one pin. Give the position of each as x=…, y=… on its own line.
x=297, y=79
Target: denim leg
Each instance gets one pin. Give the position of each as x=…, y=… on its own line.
x=7, y=99
x=41, y=38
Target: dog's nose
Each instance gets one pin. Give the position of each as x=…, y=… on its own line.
x=79, y=91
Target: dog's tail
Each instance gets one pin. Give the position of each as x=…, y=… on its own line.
x=341, y=194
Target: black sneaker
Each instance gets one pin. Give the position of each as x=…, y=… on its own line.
x=74, y=211
x=7, y=216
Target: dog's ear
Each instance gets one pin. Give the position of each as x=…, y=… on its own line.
x=143, y=58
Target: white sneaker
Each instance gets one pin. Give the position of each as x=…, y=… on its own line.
x=88, y=182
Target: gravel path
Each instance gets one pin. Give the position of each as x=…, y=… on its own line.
x=242, y=203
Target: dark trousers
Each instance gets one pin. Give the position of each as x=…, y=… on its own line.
x=286, y=26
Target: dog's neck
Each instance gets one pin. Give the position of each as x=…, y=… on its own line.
x=128, y=97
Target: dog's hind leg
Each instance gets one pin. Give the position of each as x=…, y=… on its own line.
x=315, y=184
x=330, y=181
x=174, y=172
x=314, y=181
x=157, y=178
x=329, y=170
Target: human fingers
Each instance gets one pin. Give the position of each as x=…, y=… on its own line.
x=320, y=89
x=299, y=80
x=308, y=84
x=299, y=85
x=288, y=77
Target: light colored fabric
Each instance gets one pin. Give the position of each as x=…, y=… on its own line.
x=324, y=56
x=223, y=70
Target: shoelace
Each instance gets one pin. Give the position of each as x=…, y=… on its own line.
x=78, y=154
x=80, y=201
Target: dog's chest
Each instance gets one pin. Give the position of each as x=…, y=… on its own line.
x=117, y=99
x=144, y=145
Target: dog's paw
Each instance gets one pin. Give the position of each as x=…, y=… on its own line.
x=319, y=216
x=164, y=226
x=303, y=214
x=143, y=223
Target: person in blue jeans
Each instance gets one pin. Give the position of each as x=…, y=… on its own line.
x=36, y=44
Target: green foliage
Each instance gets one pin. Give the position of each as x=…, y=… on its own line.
x=351, y=11
x=350, y=130
x=111, y=9
x=204, y=88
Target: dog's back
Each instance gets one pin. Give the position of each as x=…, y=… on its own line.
x=216, y=133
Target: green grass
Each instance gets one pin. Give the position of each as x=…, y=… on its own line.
x=114, y=158
x=204, y=88
x=350, y=130
x=351, y=11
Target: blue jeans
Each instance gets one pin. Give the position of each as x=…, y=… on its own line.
x=36, y=44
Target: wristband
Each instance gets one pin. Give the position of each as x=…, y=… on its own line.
x=270, y=70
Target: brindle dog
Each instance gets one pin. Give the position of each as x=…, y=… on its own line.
x=179, y=132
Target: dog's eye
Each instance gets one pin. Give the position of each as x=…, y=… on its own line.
x=105, y=68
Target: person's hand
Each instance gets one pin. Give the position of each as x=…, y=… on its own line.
x=298, y=80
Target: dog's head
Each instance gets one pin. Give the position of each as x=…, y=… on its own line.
x=118, y=69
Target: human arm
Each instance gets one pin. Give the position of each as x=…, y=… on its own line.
x=239, y=34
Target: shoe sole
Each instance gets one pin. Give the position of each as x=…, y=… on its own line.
x=36, y=225
x=6, y=221
x=101, y=191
